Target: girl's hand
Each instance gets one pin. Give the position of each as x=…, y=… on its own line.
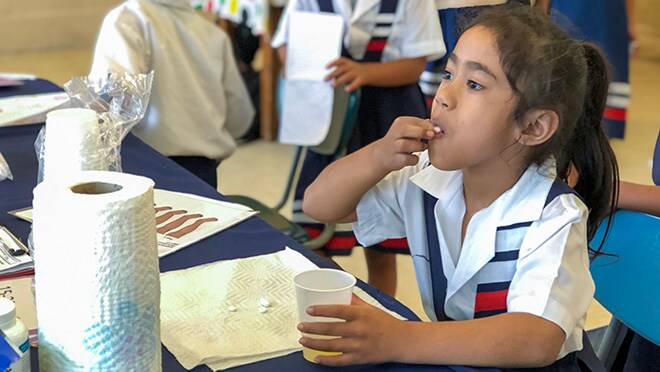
x=396, y=150
x=369, y=335
x=347, y=71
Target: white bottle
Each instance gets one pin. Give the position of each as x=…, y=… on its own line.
x=16, y=333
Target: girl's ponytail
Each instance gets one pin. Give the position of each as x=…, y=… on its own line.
x=588, y=149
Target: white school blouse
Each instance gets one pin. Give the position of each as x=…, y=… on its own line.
x=550, y=278
x=415, y=31
x=199, y=104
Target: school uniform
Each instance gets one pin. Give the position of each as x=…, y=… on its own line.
x=452, y=14
x=526, y=252
x=605, y=24
x=375, y=31
x=199, y=104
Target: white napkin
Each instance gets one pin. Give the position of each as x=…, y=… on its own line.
x=198, y=327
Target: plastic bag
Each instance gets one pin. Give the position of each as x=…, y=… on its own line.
x=120, y=100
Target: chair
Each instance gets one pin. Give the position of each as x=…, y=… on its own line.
x=344, y=115
x=627, y=284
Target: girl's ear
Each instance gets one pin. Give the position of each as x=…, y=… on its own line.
x=540, y=126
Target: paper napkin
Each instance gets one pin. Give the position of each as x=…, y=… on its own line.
x=210, y=314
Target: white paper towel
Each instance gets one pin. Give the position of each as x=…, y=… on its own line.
x=97, y=277
x=72, y=143
x=198, y=326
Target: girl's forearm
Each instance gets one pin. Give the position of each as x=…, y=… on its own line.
x=640, y=198
x=335, y=193
x=507, y=340
x=395, y=73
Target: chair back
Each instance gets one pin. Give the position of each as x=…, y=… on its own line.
x=628, y=285
x=344, y=114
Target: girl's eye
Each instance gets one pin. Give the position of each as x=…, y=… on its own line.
x=474, y=85
x=447, y=75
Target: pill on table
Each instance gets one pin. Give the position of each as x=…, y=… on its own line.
x=263, y=301
x=263, y=309
x=231, y=308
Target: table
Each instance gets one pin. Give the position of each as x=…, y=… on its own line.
x=249, y=238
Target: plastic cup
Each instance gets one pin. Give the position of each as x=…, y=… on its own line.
x=321, y=287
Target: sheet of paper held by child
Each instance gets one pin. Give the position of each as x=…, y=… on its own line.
x=183, y=219
x=314, y=41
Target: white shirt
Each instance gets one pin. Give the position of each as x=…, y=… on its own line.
x=199, y=103
x=415, y=31
x=550, y=278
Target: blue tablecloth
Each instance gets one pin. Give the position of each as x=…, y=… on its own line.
x=249, y=238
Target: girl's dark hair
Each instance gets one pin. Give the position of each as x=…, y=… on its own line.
x=548, y=70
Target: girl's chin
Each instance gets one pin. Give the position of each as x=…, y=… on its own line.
x=437, y=162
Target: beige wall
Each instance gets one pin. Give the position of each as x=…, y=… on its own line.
x=39, y=25
x=646, y=16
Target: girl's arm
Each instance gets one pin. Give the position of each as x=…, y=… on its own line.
x=378, y=74
x=640, y=198
x=370, y=335
x=335, y=193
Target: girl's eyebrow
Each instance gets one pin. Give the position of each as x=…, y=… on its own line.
x=472, y=65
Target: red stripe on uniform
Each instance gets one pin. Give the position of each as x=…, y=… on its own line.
x=488, y=301
x=429, y=101
x=340, y=240
x=614, y=113
x=376, y=45
x=401, y=243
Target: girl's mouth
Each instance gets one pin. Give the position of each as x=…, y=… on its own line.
x=439, y=132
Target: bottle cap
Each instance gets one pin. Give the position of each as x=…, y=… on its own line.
x=7, y=311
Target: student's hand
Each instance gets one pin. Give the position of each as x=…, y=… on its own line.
x=368, y=335
x=347, y=71
x=396, y=150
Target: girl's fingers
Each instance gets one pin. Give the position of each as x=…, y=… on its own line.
x=336, y=62
x=337, y=361
x=406, y=146
x=346, y=312
x=336, y=344
x=416, y=128
x=405, y=160
x=338, y=329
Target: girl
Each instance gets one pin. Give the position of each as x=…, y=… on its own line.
x=498, y=240
x=386, y=46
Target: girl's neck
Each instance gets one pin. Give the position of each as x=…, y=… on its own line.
x=481, y=188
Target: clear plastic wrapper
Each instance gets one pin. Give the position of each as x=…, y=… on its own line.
x=5, y=172
x=120, y=101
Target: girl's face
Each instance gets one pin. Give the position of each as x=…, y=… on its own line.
x=473, y=107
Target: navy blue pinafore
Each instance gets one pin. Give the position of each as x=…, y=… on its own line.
x=491, y=297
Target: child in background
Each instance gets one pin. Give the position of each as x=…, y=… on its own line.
x=605, y=23
x=199, y=105
x=498, y=240
x=386, y=46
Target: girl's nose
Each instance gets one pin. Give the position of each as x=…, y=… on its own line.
x=445, y=97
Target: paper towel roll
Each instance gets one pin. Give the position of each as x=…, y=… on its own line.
x=97, y=278
x=72, y=143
